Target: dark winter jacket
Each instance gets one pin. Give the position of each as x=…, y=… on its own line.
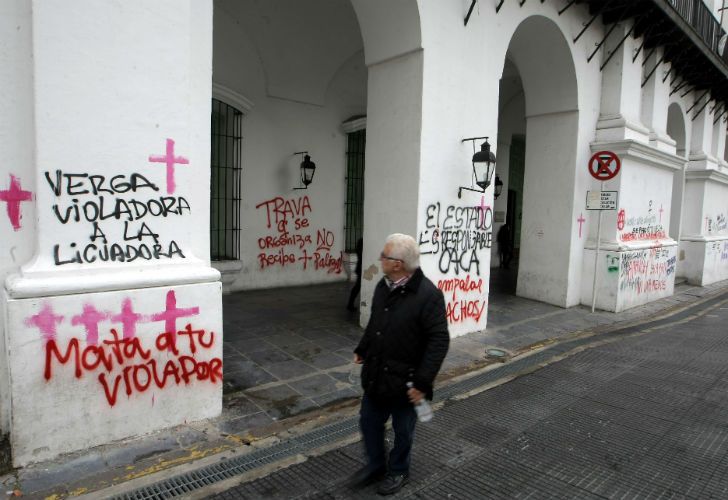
x=406, y=339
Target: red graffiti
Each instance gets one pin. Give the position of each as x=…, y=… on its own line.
x=621, y=216
x=135, y=369
x=463, y=310
x=281, y=209
x=456, y=284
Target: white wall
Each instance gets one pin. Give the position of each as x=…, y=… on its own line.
x=97, y=95
x=16, y=155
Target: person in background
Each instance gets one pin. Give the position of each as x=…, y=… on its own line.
x=405, y=341
x=357, y=270
x=504, y=245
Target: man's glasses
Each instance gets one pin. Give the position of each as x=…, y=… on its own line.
x=387, y=257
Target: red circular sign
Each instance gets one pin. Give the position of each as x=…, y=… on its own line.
x=604, y=165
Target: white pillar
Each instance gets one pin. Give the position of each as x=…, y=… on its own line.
x=655, y=102
x=621, y=84
x=121, y=98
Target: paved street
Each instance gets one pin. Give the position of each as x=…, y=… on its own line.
x=641, y=416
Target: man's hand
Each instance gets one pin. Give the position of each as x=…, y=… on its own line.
x=358, y=359
x=414, y=395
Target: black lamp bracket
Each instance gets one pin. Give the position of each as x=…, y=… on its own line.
x=300, y=153
x=460, y=189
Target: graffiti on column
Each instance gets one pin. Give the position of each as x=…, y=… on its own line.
x=641, y=227
x=13, y=196
x=127, y=363
x=119, y=212
x=459, y=239
x=717, y=224
x=581, y=221
x=646, y=271
x=293, y=241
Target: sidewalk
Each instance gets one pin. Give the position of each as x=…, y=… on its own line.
x=283, y=375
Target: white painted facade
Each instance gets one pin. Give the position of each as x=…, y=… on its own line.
x=114, y=94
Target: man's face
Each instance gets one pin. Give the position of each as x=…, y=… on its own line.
x=391, y=266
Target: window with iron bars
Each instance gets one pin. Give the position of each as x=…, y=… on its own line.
x=225, y=181
x=354, y=224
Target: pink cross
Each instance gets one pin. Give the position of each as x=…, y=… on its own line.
x=481, y=209
x=90, y=318
x=13, y=197
x=580, y=220
x=661, y=210
x=170, y=159
x=45, y=321
x=128, y=318
x=170, y=315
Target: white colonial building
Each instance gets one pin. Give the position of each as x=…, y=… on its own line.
x=151, y=150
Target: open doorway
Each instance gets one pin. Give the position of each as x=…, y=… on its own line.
x=538, y=130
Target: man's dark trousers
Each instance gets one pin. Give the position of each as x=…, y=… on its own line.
x=372, y=417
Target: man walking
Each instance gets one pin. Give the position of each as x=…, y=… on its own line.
x=406, y=340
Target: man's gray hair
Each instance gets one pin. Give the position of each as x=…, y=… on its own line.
x=404, y=247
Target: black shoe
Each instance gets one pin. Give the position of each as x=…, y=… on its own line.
x=392, y=484
x=365, y=476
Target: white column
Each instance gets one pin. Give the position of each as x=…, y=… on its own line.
x=655, y=103
x=621, y=90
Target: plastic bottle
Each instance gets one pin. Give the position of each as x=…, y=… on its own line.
x=423, y=408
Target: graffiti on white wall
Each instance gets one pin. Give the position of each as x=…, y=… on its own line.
x=104, y=345
x=458, y=239
x=13, y=196
x=119, y=213
x=645, y=271
x=643, y=226
x=293, y=241
x=717, y=224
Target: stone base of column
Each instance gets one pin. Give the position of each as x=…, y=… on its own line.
x=629, y=277
x=88, y=369
x=704, y=260
x=618, y=128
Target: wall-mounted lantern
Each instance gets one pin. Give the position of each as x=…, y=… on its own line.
x=483, y=167
x=308, y=168
x=498, y=187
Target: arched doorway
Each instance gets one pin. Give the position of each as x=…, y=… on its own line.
x=676, y=129
x=305, y=72
x=538, y=122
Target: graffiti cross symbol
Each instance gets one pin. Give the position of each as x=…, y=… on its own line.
x=171, y=313
x=128, y=318
x=604, y=165
x=46, y=321
x=90, y=319
x=13, y=196
x=170, y=160
x=581, y=221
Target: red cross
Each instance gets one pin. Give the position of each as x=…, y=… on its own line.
x=171, y=313
x=580, y=220
x=170, y=159
x=13, y=197
x=90, y=319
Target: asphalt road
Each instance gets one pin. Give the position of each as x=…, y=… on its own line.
x=644, y=416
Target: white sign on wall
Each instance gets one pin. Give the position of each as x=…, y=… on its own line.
x=601, y=200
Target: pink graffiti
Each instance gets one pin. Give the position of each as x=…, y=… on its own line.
x=581, y=221
x=90, y=319
x=13, y=196
x=171, y=313
x=169, y=159
x=45, y=321
x=128, y=318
